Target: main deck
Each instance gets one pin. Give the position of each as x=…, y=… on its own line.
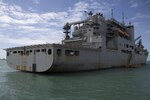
x=61, y=58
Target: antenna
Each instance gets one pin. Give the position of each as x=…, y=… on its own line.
x=90, y=13
x=123, y=18
x=86, y=13
x=112, y=13
x=130, y=23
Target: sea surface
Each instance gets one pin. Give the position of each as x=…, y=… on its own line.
x=110, y=84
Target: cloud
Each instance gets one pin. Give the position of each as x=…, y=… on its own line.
x=147, y=32
x=141, y=16
x=36, y=1
x=147, y=1
x=134, y=3
x=40, y=39
x=2, y=54
x=21, y=27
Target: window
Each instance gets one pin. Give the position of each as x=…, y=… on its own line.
x=14, y=51
x=126, y=51
x=132, y=47
x=38, y=50
x=43, y=50
x=7, y=53
x=127, y=45
x=58, y=52
x=69, y=52
x=49, y=51
x=30, y=50
x=76, y=53
x=27, y=52
x=94, y=33
x=21, y=52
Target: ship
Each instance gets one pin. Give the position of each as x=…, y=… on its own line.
x=90, y=44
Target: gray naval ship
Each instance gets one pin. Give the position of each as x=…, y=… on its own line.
x=90, y=44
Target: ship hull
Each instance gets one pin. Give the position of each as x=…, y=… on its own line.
x=61, y=58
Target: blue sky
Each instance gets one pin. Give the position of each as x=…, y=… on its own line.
x=25, y=22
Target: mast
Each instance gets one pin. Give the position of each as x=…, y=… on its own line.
x=123, y=18
x=112, y=13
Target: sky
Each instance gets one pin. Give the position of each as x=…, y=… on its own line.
x=28, y=22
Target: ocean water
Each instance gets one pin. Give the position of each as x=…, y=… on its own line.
x=110, y=84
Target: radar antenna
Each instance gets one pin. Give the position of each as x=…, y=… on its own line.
x=66, y=30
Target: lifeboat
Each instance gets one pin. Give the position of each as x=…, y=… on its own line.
x=123, y=33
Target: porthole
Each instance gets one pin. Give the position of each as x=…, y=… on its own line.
x=49, y=51
x=27, y=52
x=38, y=50
x=21, y=52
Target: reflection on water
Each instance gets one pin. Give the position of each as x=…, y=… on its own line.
x=111, y=84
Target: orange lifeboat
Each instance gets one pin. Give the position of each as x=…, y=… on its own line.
x=123, y=33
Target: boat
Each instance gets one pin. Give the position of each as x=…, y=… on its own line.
x=90, y=44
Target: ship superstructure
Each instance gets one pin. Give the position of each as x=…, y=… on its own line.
x=93, y=43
